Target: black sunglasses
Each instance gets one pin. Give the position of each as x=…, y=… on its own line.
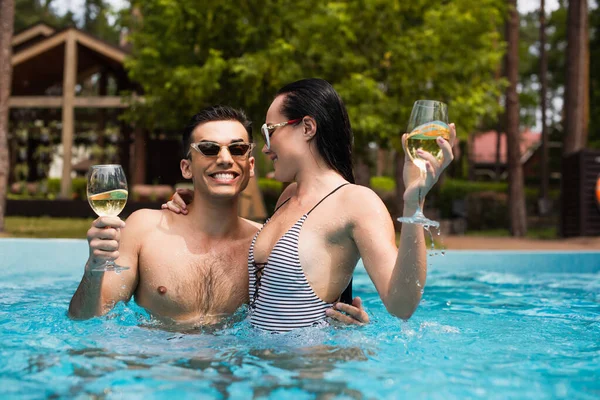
x=212, y=149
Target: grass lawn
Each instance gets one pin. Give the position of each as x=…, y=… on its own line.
x=47, y=227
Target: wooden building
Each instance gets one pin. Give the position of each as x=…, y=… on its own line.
x=50, y=68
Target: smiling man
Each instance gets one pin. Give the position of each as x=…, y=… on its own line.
x=187, y=271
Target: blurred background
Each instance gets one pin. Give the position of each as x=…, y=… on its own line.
x=114, y=81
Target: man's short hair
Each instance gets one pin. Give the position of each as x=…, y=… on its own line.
x=215, y=113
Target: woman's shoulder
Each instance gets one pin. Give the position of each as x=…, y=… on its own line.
x=361, y=199
x=360, y=193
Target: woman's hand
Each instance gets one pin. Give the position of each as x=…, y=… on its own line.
x=418, y=184
x=353, y=314
x=179, y=201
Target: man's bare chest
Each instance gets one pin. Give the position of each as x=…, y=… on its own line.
x=183, y=282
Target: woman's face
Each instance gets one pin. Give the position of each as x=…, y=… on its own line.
x=287, y=143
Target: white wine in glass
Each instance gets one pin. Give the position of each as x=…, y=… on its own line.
x=428, y=121
x=107, y=194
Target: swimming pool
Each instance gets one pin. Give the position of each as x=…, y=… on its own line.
x=491, y=325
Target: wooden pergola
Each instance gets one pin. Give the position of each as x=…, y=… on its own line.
x=46, y=61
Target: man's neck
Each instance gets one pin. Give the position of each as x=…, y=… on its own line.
x=214, y=216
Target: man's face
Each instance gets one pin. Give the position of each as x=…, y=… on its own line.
x=224, y=175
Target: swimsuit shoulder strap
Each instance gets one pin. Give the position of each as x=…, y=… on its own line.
x=281, y=205
x=330, y=193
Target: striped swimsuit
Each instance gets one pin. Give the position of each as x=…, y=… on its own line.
x=281, y=299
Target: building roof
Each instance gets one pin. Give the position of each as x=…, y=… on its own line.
x=484, y=146
x=38, y=60
x=30, y=35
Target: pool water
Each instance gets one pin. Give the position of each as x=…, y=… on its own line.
x=491, y=325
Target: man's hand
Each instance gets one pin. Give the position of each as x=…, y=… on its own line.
x=178, y=203
x=104, y=239
x=353, y=314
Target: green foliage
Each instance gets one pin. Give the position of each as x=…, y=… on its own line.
x=380, y=55
x=271, y=190
x=96, y=20
x=529, y=66
x=270, y=184
x=97, y=17
x=383, y=184
x=29, y=12
x=79, y=188
x=454, y=189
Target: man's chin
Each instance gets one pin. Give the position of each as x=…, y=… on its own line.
x=225, y=193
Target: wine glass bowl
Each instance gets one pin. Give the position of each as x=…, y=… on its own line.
x=428, y=121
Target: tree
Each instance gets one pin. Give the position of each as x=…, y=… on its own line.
x=577, y=82
x=29, y=12
x=380, y=56
x=7, y=15
x=594, y=125
x=543, y=97
x=96, y=20
x=516, y=193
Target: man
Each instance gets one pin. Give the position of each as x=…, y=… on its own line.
x=187, y=270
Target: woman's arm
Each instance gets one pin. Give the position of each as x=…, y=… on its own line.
x=399, y=275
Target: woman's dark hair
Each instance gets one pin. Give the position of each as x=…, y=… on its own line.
x=318, y=99
x=214, y=113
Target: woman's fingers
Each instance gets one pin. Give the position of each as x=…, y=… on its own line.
x=353, y=314
x=446, y=151
x=178, y=201
x=172, y=206
x=346, y=319
x=429, y=158
x=168, y=206
x=363, y=316
x=186, y=195
x=452, y=134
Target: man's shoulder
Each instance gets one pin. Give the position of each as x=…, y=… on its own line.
x=144, y=217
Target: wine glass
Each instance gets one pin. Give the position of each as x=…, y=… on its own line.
x=428, y=120
x=107, y=194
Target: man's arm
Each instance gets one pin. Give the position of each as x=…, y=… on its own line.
x=98, y=292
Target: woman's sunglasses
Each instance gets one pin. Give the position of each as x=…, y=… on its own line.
x=212, y=149
x=267, y=130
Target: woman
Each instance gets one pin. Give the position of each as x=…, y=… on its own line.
x=303, y=258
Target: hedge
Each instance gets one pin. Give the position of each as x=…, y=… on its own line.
x=46, y=189
x=78, y=188
x=454, y=189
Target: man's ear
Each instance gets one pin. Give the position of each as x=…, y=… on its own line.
x=186, y=168
x=251, y=161
x=310, y=127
